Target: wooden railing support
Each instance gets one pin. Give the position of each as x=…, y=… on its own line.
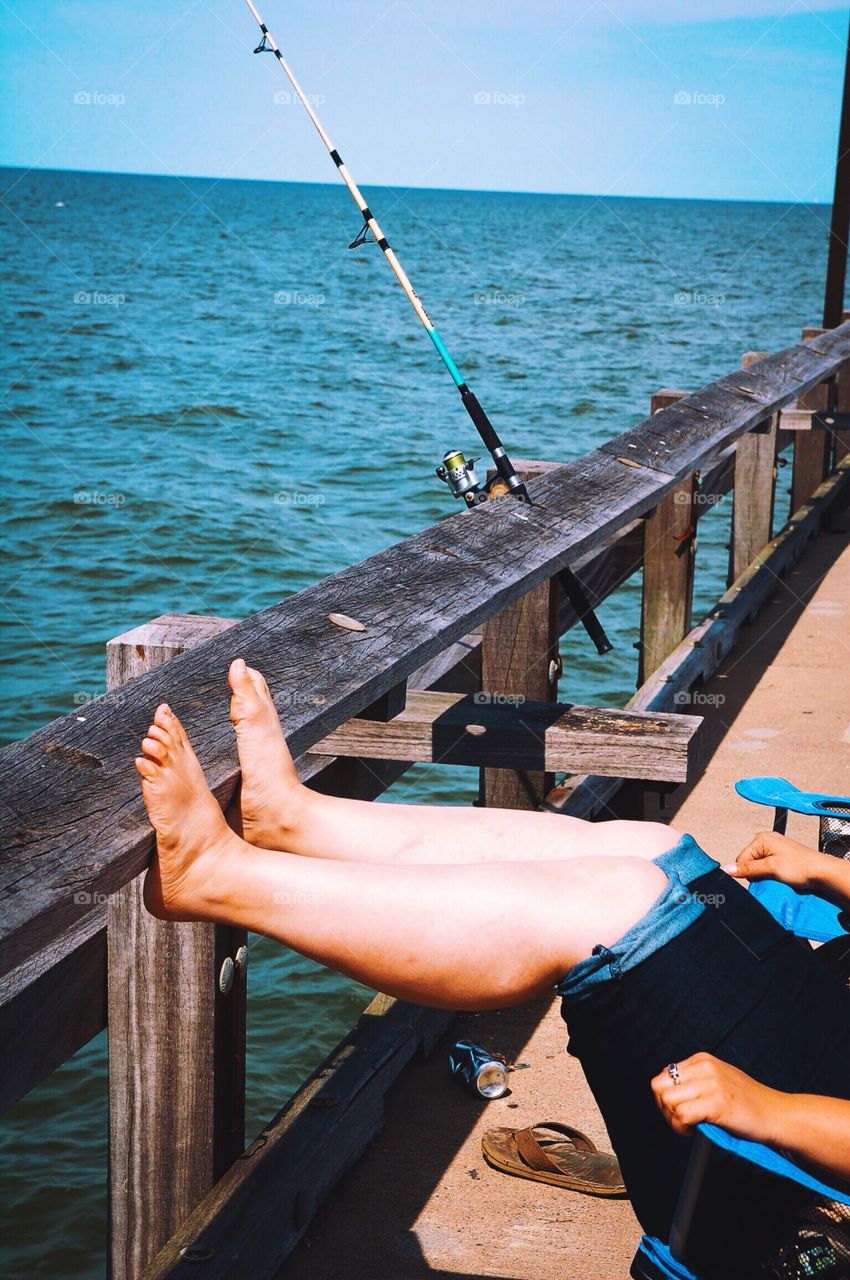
x=753, y=492
x=842, y=405
x=811, y=448
x=668, y=565
x=519, y=660
x=176, y=1007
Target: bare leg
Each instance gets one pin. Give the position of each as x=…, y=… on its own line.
x=278, y=812
x=450, y=936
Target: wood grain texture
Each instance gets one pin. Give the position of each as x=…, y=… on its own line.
x=176, y=1039
x=668, y=564
x=256, y=1214
x=519, y=647
x=509, y=734
x=842, y=405
x=811, y=448
x=51, y=1005
x=704, y=648
x=753, y=494
x=71, y=815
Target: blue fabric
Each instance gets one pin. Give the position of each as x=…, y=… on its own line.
x=673, y=911
x=778, y=793
x=802, y=914
x=772, y=1161
x=659, y=1256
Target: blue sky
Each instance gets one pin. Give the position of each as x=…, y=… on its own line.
x=723, y=99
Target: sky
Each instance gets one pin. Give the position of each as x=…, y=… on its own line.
x=722, y=99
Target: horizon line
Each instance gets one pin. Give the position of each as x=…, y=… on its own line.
x=305, y=182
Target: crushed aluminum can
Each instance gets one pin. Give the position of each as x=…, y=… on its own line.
x=479, y=1070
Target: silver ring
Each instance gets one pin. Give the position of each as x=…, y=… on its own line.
x=673, y=1072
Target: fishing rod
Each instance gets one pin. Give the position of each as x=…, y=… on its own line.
x=456, y=470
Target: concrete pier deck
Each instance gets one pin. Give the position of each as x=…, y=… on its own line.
x=422, y=1202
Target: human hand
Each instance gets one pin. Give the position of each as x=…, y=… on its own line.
x=710, y=1090
x=770, y=856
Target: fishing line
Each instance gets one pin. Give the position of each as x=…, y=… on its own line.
x=456, y=470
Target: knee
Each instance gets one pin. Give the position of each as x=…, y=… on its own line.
x=646, y=840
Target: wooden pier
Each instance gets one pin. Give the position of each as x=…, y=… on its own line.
x=456, y=659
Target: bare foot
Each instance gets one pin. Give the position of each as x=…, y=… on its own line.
x=191, y=834
x=271, y=794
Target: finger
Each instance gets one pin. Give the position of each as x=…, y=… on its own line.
x=693, y=1112
x=751, y=852
x=763, y=867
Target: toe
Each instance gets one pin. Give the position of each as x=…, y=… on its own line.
x=163, y=716
x=155, y=750
x=146, y=767
x=258, y=680
x=238, y=677
x=159, y=735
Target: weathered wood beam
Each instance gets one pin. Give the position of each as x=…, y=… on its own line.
x=814, y=420
x=668, y=563
x=71, y=814
x=55, y=1002
x=513, y=732
x=176, y=1028
x=253, y=1218
x=704, y=648
x=52, y=1004
x=754, y=488
x=842, y=405
x=811, y=448
x=519, y=658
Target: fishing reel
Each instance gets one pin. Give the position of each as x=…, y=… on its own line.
x=458, y=472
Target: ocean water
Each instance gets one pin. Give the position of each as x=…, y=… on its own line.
x=209, y=402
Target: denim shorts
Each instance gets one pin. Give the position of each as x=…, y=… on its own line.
x=706, y=969
x=672, y=912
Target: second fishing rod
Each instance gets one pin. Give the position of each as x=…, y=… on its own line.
x=456, y=470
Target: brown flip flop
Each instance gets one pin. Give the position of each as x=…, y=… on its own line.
x=568, y=1160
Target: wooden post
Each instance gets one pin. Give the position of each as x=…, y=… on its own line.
x=811, y=448
x=668, y=566
x=842, y=405
x=519, y=660
x=753, y=492
x=176, y=1009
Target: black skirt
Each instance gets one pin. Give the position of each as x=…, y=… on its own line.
x=739, y=986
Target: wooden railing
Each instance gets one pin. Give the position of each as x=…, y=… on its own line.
x=465, y=606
